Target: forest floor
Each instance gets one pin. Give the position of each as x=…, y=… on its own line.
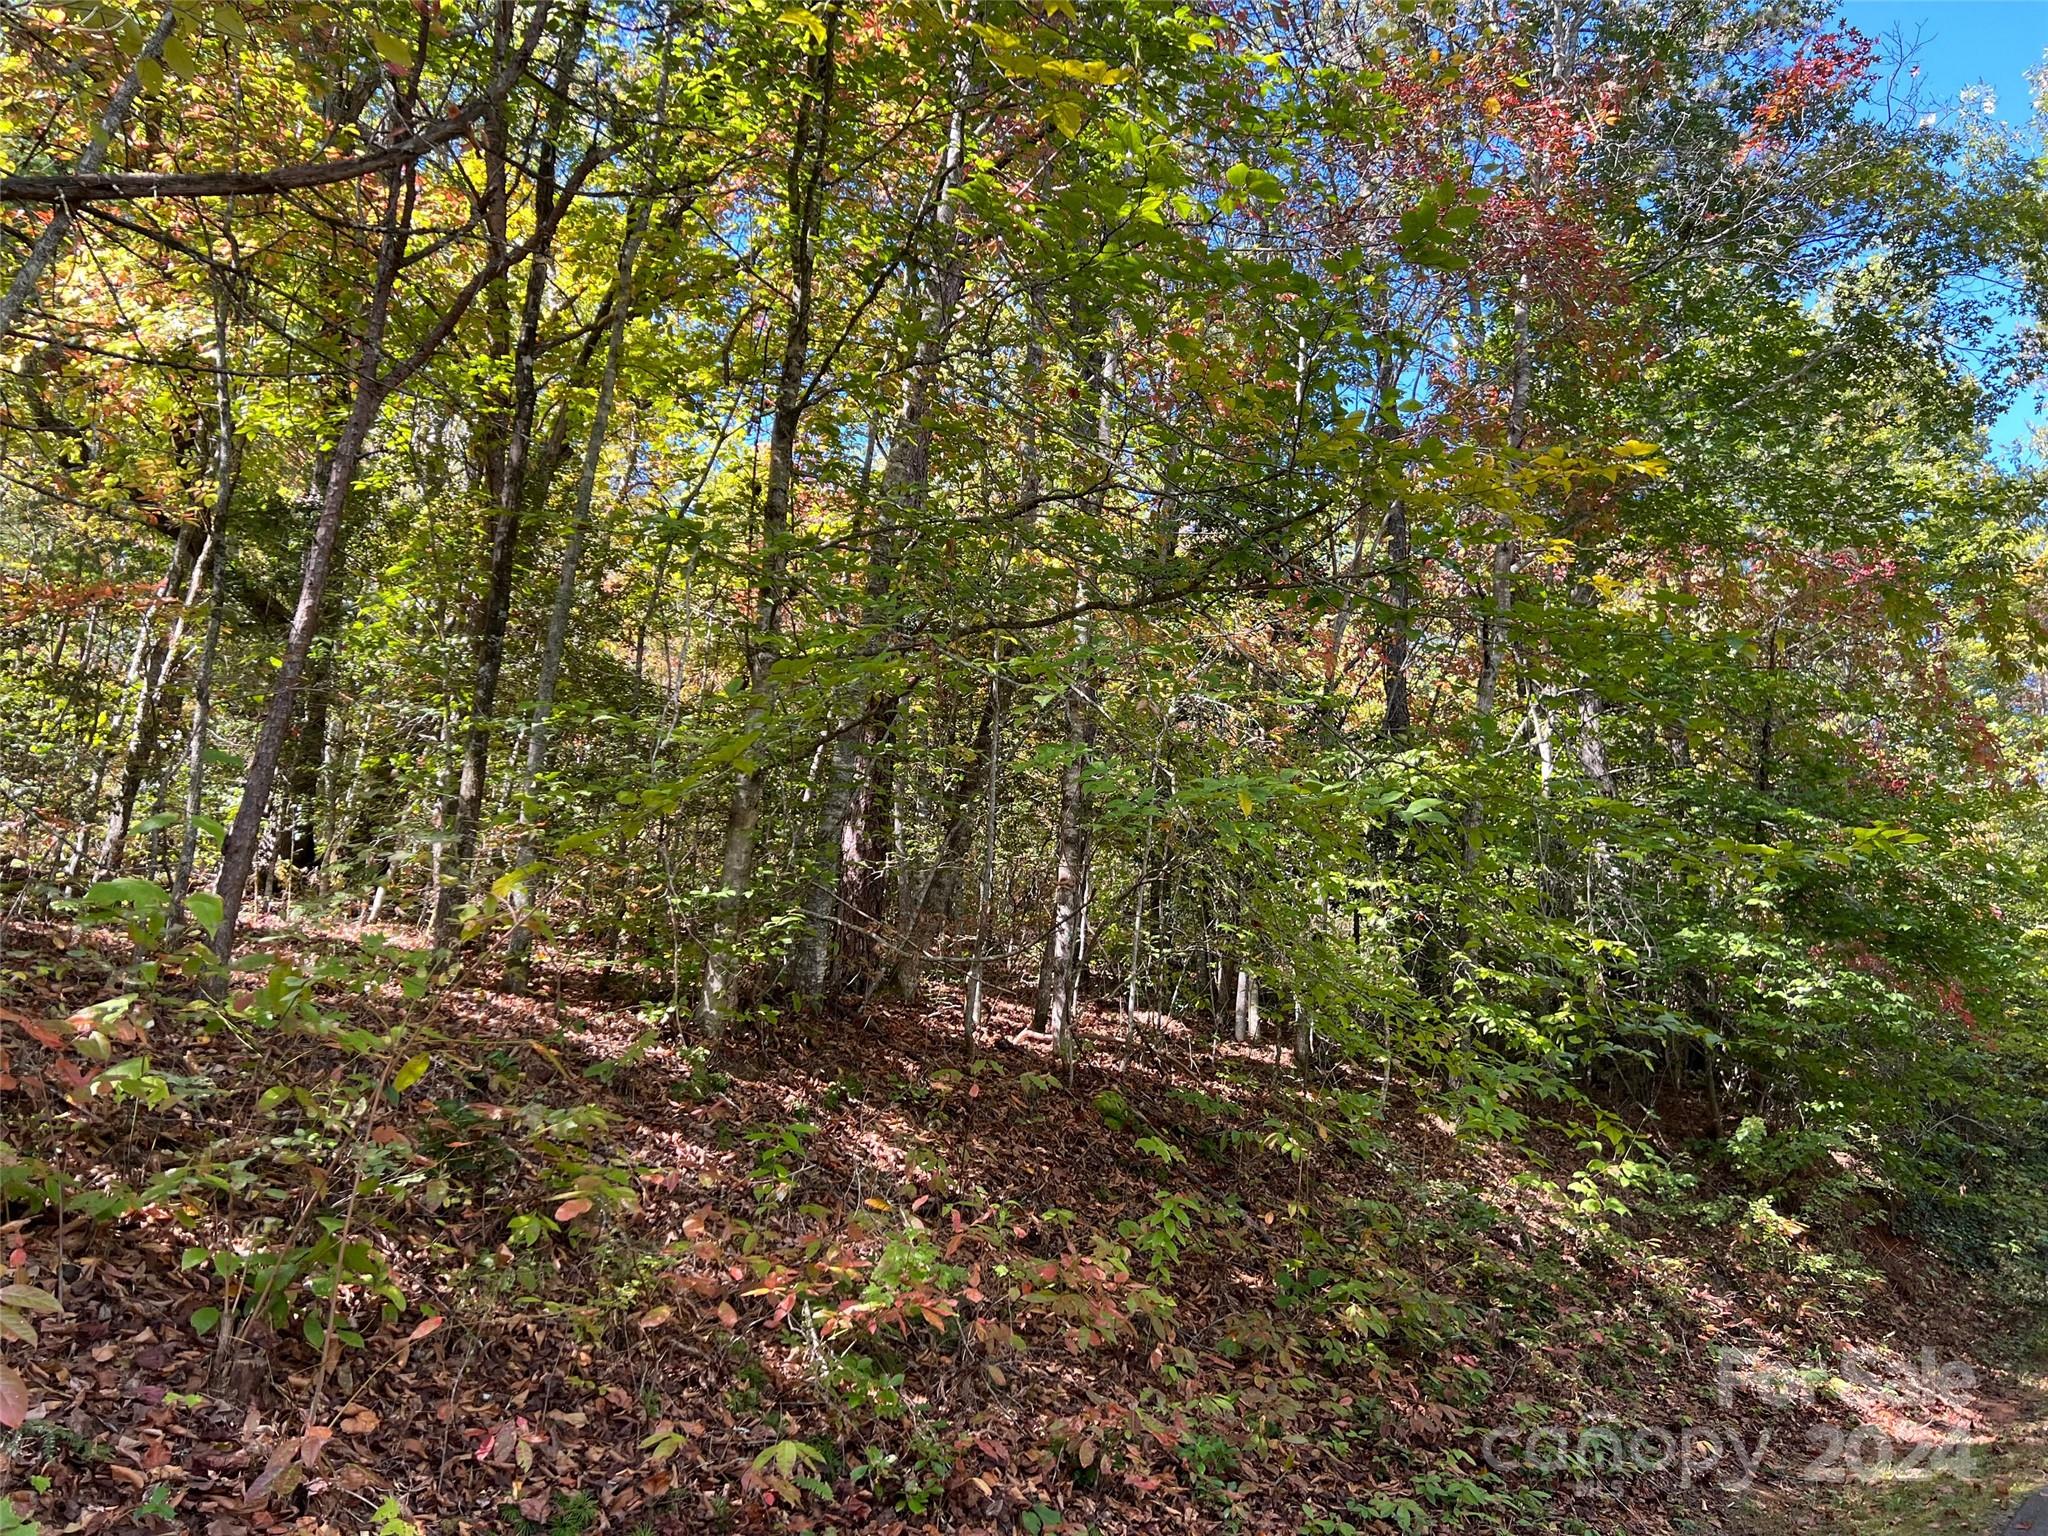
x=342, y=1258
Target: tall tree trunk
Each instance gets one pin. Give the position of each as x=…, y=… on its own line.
x=937, y=891
x=1052, y=1010
x=1400, y=622
x=986, y=885
x=1493, y=635
x=510, y=456
x=869, y=843
x=572, y=555
x=811, y=962
x=809, y=162
x=1500, y=596
x=154, y=653
x=238, y=849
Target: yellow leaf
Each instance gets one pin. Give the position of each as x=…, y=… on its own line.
x=1244, y=801
x=1066, y=116
x=808, y=21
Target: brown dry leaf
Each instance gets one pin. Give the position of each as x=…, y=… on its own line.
x=313, y=1442
x=13, y=1397
x=362, y=1421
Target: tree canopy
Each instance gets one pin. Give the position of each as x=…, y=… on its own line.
x=1459, y=543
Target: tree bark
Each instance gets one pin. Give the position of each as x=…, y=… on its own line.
x=809, y=162
x=510, y=455
x=940, y=886
x=869, y=841
x=238, y=849
x=572, y=555
x=1052, y=1010
x=154, y=653
x=58, y=230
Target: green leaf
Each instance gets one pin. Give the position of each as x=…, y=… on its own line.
x=1066, y=116
x=129, y=891
x=28, y=1298
x=178, y=55
x=205, y=910
x=205, y=1320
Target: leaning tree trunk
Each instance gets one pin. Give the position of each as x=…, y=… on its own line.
x=238, y=849
x=55, y=233
x=154, y=653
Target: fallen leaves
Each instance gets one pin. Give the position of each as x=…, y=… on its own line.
x=14, y=1402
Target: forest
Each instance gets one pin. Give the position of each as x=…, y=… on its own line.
x=1058, y=766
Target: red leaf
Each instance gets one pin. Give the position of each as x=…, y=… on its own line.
x=34, y=1028
x=569, y=1210
x=426, y=1326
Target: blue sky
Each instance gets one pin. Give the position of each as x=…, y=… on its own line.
x=1964, y=43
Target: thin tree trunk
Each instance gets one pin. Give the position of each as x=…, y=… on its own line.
x=1400, y=622
x=936, y=892
x=154, y=653
x=1244, y=1017
x=811, y=963
x=572, y=555
x=238, y=850
x=512, y=456
x=809, y=162
x=58, y=230
x=1493, y=623
x=906, y=479
x=1052, y=1009
x=985, y=888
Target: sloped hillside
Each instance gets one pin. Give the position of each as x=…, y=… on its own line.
x=330, y=1257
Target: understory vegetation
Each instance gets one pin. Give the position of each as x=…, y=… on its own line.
x=1068, y=766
